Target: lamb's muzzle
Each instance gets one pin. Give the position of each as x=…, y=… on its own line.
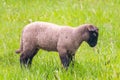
x=93, y=36
x=51, y=37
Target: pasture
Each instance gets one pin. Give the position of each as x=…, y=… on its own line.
x=99, y=63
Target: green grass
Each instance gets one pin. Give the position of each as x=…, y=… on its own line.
x=99, y=63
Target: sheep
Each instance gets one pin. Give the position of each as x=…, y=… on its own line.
x=51, y=37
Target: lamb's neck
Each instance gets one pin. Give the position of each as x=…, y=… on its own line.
x=81, y=34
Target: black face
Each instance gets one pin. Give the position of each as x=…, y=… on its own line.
x=93, y=38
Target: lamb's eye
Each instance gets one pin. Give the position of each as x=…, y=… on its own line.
x=94, y=34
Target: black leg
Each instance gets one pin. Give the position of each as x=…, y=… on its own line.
x=70, y=57
x=66, y=60
x=26, y=58
x=23, y=60
x=73, y=60
x=34, y=53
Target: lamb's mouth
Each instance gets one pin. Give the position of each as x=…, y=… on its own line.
x=92, y=45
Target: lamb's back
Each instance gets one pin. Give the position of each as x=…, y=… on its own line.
x=44, y=34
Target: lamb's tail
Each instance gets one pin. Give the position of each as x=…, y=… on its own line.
x=18, y=51
x=21, y=47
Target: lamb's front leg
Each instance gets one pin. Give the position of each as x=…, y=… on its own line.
x=73, y=60
x=71, y=57
x=65, y=58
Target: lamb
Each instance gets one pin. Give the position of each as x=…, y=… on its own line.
x=51, y=37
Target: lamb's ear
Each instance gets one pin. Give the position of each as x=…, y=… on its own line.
x=92, y=28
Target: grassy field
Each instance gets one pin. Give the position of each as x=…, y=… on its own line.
x=99, y=63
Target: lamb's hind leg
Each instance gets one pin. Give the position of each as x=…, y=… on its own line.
x=27, y=56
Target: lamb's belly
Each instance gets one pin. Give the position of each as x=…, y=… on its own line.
x=49, y=46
